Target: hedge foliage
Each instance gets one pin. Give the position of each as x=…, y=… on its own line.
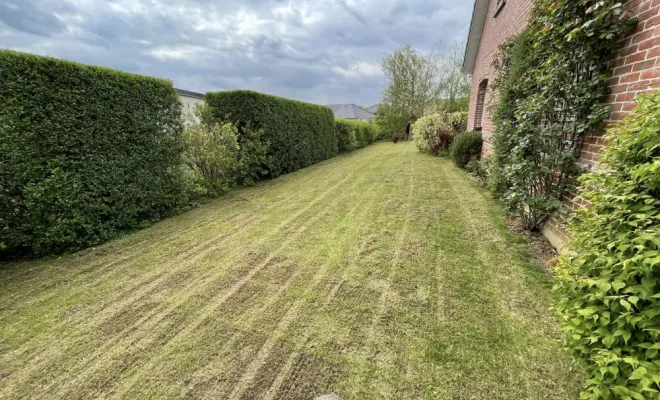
x=432, y=133
x=300, y=134
x=609, y=284
x=467, y=146
x=85, y=153
x=219, y=157
x=354, y=134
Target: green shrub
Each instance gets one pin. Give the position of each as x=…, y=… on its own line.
x=300, y=134
x=86, y=152
x=353, y=134
x=609, y=284
x=466, y=147
x=345, y=133
x=368, y=133
x=430, y=132
x=458, y=121
x=360, y=134
x=219, y=157
x=378, y=132
x=480, y=169
x=427, y=130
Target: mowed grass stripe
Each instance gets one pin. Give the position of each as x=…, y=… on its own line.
x=336, y=202
x=382, y=273
x=169, y=234
x=159, y=272
x=176, y=315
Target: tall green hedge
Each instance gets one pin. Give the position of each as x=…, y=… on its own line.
x=353, y=134
x=300, y=134
x=84, y=153
x=346, y=137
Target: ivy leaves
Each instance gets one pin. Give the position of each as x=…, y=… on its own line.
x=552, y=81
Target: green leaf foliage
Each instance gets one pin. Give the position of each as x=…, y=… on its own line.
x=221, y=158
x=86, y=152
x=429, y=131
x=300, y=134
x=467, y=146
x=354, y=134
x=552, y=82
x=609, y=284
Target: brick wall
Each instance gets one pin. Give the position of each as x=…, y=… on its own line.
x=636, y=66
x=636, y=69
x=511, y=19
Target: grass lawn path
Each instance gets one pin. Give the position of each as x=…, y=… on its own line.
x=380, y=274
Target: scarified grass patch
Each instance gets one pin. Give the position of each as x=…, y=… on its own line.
x=382, y=273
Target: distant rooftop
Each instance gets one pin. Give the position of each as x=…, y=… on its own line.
x=188, y=93
x=350, y=111
x=373, y=110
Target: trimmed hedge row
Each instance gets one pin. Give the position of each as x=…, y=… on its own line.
x=85, y=152
x=354, y=134
x=300, y=134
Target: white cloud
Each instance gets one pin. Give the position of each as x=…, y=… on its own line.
x=361, y=69
x=187, y=53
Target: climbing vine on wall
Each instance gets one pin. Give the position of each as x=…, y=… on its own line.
x=552, y=83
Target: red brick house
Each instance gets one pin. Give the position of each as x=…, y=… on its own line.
x=636, y=67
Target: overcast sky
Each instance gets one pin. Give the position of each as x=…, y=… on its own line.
x=322, y=51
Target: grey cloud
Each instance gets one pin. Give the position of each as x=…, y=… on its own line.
x=312, y=50
x=353, y=12
x=30, y=18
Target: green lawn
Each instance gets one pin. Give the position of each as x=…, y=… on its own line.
x=380, y=274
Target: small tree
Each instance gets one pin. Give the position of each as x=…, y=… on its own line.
x=413, y=80
x=422, y=84
x=455, y=84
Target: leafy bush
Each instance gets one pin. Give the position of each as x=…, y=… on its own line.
x=466, y=147
x=345, y=132
x=353, y=134
x=609, y=283
x=480, y=169
x=379, y=132
x=300, y=134
x=219, y=157
x=390, y=120
x=458, y=121
x=427, y=130
x=361, y=134
x=86, y=152
x=444, y=144
x=370, y=133
x=431, y=132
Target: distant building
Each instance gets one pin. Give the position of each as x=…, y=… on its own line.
x=190, y=100
x=351, y=111
x=374, y=109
